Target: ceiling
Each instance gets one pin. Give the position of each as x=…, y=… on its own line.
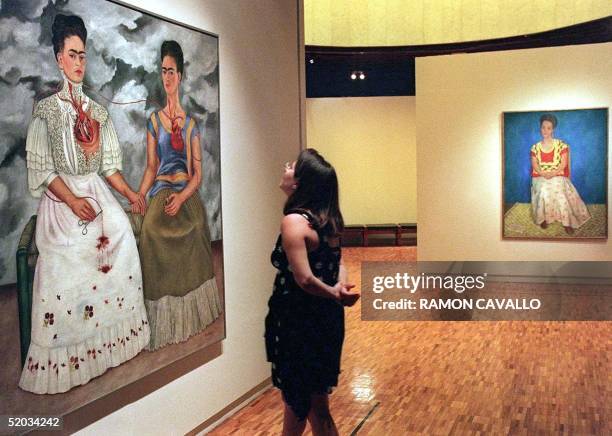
x=371, y=23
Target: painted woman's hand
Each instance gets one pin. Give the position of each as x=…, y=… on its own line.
x=81, y=208
x=138, y=208
x=137, y=200
x=173, y=204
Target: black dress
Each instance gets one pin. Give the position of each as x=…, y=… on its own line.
x=304, y=333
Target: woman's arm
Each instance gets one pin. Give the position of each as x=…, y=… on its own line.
x=561, y=170
x=294, y=230
x=79, y=205
x=342, y=274
x=347, y=297
x=112, y=163
x=150, y=172
x=119, y=184
x=148, y=178
x=176, y=200
x=541, y=172
x=535, y=166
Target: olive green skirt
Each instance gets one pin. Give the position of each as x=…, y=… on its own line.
x=179, y=284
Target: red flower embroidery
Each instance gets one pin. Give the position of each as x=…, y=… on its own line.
x=89, y=312
x=48, y=319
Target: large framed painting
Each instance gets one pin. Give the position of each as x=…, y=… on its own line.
x=110, y=200
x=555, y=174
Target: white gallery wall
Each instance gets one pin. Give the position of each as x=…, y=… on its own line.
x=460, y=99
x=260, y=130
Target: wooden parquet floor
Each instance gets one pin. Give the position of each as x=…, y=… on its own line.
x=458, y=378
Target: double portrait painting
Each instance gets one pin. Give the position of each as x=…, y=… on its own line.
x=110, y=190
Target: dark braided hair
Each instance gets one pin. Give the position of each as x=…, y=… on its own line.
x=173, y=49
x=65, y=26
x=549, y=117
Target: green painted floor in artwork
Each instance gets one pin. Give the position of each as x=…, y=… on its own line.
x=518, y=223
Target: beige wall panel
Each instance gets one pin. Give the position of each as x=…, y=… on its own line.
x=460, y=99
x=371, y=143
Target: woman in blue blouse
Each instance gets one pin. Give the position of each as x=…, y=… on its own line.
x=180, y=290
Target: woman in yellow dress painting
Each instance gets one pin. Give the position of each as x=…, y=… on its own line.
x=553, y=196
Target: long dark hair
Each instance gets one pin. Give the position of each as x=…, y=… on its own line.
x=316, y=192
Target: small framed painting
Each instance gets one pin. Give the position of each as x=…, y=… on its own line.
x=555, y=174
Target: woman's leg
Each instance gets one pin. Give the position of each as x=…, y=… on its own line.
x=320, y=417
x=292, y=425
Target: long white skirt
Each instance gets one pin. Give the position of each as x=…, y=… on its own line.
x=556, y=199
x=88, y=312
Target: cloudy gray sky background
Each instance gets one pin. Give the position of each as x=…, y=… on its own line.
x=123, y=51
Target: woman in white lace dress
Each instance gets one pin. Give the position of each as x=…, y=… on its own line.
x=88, y=312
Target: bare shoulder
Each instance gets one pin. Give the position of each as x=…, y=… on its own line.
x=294, y=223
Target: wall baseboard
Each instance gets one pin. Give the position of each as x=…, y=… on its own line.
x=230, y=409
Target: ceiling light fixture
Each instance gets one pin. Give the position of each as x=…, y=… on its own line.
x=357, y=75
